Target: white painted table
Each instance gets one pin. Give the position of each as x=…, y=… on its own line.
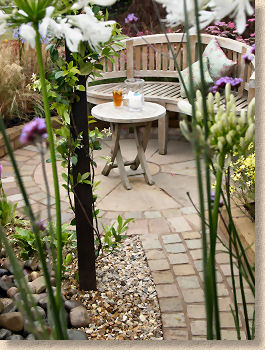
x=121, y=117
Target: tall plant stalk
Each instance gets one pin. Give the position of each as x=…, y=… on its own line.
x=54, y=168
x=58, y=332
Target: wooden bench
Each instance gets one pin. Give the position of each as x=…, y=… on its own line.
x=140, y=59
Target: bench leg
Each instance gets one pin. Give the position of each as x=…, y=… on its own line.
x=146, y=135
x=163, y=134
x=141, y=156
x=114, y=149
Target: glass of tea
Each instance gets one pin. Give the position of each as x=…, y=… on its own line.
x=117, y=97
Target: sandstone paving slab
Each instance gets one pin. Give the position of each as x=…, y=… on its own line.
x=222, y=258
x=196, y=254
x=151, y=242
x=231, y=335
x=142, y=197
x=193, y=295
x=175, y=334
x=183, y=270
x=191, y=235
x=194, y=220
x=170, y=304
x=139, y=227
x=158, y=265
x=188, y=282
x=177, y=187
x=179, y=258
x=177, y=152
x=167, y=290
x=175, y=248
x=188, y=210
x=221, y=290
x=161, y=277
x=173, y=238
x=179, y=224
x=133, y=214
x=172, y=212
x=196, y=311
x=173, y=320
x=194, y=243
x=227, y=270
x=152, y=214
x=158, y=225
x=155, y=254
x=227, y=320
x=224, y=303
x=198, y=327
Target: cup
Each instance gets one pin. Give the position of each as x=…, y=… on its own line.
x=117, y=97
x=135, y=94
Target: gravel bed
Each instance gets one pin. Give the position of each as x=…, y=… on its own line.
x=125, y=306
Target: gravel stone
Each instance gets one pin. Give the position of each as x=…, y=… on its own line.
x=4, y=333
x=79, y=317
x=125, y=306
x=13, y=321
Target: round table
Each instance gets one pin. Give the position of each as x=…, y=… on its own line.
x=122, y=117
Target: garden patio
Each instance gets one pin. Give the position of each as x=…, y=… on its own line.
x=127, y=170
x=165, y=221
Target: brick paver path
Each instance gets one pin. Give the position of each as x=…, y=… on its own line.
x=166, y=222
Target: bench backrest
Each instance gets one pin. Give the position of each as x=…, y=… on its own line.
x=150, y=56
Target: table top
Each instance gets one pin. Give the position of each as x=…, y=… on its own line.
x=107, y=112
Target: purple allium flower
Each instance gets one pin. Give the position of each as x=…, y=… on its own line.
x=247, y=57
x=1, y=169
x=131, y=18
x=33, y=131
x=42, y=225
x=212, y=196
x=234, y=82
x=253, y=49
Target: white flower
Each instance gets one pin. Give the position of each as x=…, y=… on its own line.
x=49, y=24
x=3, y=24
x=27, y=32
x=73, y=36
x=93, y=31
x=237, y=9
x=219, y=9
x=80, y=4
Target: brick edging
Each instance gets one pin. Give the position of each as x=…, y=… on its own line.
x=13, y=135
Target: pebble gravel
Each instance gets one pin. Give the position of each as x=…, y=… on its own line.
x=125, y=306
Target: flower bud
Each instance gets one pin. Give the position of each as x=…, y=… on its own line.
x=227, y=92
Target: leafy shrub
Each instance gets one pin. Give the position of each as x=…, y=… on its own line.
x=26, y=240
x=243, y=177
x=17, y=100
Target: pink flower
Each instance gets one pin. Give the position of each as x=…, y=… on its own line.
x=251, y=20
x=231, y=25
x=34, y=131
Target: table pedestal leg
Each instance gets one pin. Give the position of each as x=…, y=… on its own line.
x=116, y=153
x=141, y=156
x=115, y=129
x=146, y=135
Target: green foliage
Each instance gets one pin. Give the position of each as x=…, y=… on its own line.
x=7, y=212
x=114, y=234
x=26, y=240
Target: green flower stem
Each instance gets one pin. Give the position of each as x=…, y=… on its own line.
x=213, y=236
x=34, y=228
x=63, y=333
x=207, y=289
x=236, y=316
